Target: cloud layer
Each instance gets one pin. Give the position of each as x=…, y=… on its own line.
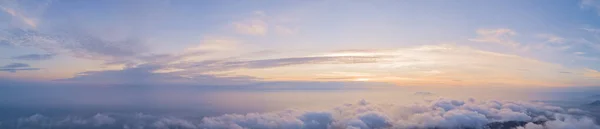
x=431, y=114
x=146, y=75
x=34, y=57
x=311, y=42
x=500, y=36
x=14, y=67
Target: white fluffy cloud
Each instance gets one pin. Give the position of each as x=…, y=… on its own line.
x=441, y=113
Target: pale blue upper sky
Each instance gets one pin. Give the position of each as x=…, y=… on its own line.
x=412, y=42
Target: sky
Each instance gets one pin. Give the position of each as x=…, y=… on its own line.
x=406, y=43
x=321, y=64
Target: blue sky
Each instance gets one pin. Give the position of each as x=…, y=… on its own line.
x=470, y=43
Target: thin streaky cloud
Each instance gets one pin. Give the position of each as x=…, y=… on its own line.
x=18, y=15
x=552, y=38
x=501, y=36
x=251, y=27
x=34, y=57
x=15, y=65
x=311, y=40
x=593, y=5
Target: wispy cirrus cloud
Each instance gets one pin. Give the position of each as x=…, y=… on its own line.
x=283, y=30
x=28, y=21
x=215, y=44
x=551, y=38
x=499, y=36
x=77, y=45
x=251, y=27
x=100, y=41
x=591, y=4
x=225, y=65
x=431, y=64
x=423, y=65
x=592, y=73
x=25, y=14
x=261, y=24
x=591, y=30
x=208, y=47
x=256, y=24
x=147, y=75
x=179, y=67
x=128, y=45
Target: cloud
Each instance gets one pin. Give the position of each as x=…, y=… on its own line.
x=590, y=43
x=77, y=44
x=531, y=126
x=251, y=27
x=424, y=93
x=216, y=44
x=33, y=119
x=145, y=75
x=565, y=72
x=500, y=36
x=307, y=60
x=591, y=30
x=564, y=122
x=202, y=72
x=28, y=21
x=91, y=47
x=225, y=65
x=551, y=38
x=209, y=46
x=261, y=24
x=590, y=4
x=283, y=30
x=412, y=65
x=420, y=65
x=4, y=43
x=101, y=119
x=14, y=70
x=173, y=123
x=577, y=111
x=428, y=64
x=34, y=57
x=40, y=121
x=592, y=73
x=103, y=40
x=440, y=113
x=14, y=67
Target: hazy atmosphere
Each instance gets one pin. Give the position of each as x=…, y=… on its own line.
x=291, y=64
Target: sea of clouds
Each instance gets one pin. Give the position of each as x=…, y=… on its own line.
x=430, y=114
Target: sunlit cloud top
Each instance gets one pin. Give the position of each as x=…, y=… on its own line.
x=405, y=43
